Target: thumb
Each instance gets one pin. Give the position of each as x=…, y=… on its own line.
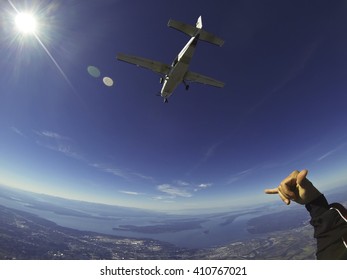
x=301, y=177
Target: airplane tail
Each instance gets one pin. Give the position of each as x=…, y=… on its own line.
x=199, y=23
x=195, y=30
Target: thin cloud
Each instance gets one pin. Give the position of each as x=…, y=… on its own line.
x=182, y=183
x=164, y=199
x=326, y=155
x=57, y=142
x=173, y=192
x=61, y=148
x=52, y=135
x=331, y=152
x=142, y=176
x=17, y=131
x=206, y=155
x=131, y=193
x=205, y=186
x=122, y=173
x=294, y=71
x=202, y=187
x=60, y=143
x=211, y=151
x=238, y=176
x=116, y=172
x=159, y=197
x=63, y=144
x=181, y=189
x=112, y=170
x=67, y=151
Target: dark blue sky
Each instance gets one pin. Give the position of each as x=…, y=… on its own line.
x=64, y=132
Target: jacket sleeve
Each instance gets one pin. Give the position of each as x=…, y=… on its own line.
x=330, y=229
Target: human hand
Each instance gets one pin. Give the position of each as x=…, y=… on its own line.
x=296, y=187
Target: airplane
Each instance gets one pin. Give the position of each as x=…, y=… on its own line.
x=178, y=72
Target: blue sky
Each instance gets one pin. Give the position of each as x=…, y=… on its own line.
x=63, y=132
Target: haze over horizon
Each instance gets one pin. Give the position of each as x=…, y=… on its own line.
x=67, y=133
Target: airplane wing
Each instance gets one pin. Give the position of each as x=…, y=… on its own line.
x=195, y=77
x=158, y=67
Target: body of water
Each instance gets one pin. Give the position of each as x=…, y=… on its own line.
x=213, y=231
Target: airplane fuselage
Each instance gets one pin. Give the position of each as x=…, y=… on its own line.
x=179, y=68
x=178, y=72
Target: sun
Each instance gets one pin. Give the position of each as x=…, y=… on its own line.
x=26, y=23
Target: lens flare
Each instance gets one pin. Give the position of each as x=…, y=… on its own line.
x=108, y=81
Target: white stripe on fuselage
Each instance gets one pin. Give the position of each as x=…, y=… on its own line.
x=178, y=71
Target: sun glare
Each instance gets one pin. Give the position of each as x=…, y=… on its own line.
x=26, y=23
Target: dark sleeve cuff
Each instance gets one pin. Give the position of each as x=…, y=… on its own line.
x=317, y=206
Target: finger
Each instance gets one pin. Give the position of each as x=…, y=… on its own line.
x=271, y=191
x=285, y=199
x=290, y=181
x=294, y=174
x=301, y=177
x=288, y=190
